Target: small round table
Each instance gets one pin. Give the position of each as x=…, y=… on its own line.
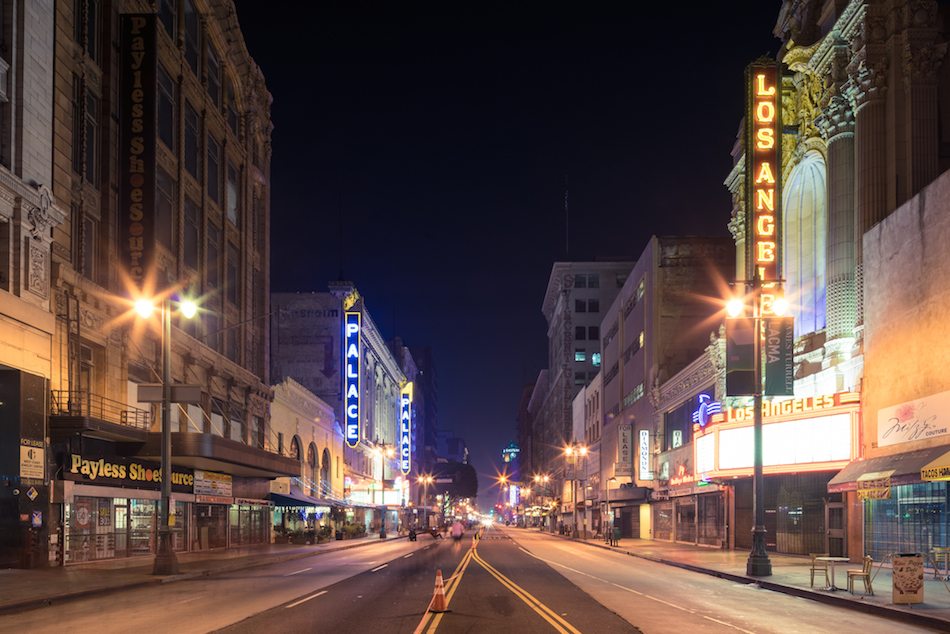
x=832, y=561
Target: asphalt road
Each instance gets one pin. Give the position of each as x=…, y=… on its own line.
x=514, y=581
x=495, y=587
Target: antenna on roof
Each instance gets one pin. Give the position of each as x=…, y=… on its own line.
x=567, y=232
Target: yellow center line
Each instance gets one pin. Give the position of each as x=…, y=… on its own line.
x=554, y=619
x=454, y=582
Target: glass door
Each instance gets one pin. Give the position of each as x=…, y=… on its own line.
x=121, y=529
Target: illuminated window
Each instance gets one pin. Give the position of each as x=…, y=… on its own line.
x=595, y=359
x=580, y=355
x=580, y=306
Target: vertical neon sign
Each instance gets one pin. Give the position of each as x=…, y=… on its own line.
x=405, y=428
x=764, y=176
x=353, y=346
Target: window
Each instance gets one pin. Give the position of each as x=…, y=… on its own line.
x=230, y=338
x=91, y=24
x=237, y=423
x=580, y=355
x=191, y=234
x=280, y=443
x=593, y=305
x=233, y=281
x=580, y=306
x=593, y=280
x=165, y=197
x=580, y=378
x=214, y=176
x=580, y=333
x=595, y=359
x=212, y=336
x=256, y=437
x=593, y=333
x=214, y=77
x=192, y=37
x=214, y=239
x=166, y=14
x=167, y=91
x=191, y=141
x=92, y=139
x=232, y=109
x=77, y=124
x=621, y=280
x=233, y=194
x=580, y=281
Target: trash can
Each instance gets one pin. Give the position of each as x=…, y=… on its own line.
x=908, y=575
x=616, y=541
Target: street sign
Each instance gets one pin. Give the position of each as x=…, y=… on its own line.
x=152, y=393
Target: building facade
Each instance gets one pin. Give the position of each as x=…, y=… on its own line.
x=309, y=344
x=196, y=189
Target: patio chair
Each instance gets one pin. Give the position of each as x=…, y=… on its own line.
x=864, y=574
x=819, y=566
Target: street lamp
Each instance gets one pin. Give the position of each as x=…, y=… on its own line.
x=575, y=451
x=383, y=451
x=758, y=564
x=166, y=563
x=608, y=533
x=425, y=481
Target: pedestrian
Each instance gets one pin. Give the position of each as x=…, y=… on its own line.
x=457, y=530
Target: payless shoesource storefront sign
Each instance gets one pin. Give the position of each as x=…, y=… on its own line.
x=123, y=472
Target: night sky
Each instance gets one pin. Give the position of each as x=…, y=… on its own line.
x=442, y=135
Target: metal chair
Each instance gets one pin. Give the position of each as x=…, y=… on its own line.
x=819, y=566
x=864, y=573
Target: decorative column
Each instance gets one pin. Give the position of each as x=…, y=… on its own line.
x=868, y=87
x=920, y=61
x=836, y=125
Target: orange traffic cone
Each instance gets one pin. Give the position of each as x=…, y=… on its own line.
x=438, y=601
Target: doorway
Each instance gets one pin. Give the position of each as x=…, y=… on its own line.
x=837, y=531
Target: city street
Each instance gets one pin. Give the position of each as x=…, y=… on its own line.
x=515, y=580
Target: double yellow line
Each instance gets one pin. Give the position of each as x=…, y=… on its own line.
x=559, y=624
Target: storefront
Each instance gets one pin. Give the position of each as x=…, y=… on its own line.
x=805, y=442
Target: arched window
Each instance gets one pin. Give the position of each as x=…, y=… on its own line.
x=312, y=467
x=295, y=448
x=325, y=474
x=804, y=208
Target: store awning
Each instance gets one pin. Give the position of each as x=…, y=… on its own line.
x=901, y=469
x=938, y=470
x=297, y=498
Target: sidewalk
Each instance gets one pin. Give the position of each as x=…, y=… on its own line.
x=790, y=575
x=22, y=590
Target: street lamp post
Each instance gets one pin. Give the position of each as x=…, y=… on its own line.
x=574, y=451
x=608, y=532
x=383, y=452
x=542, y=483
x=758, y=564
x=426, y=481
x=166, y=562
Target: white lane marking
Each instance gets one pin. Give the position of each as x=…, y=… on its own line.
x=379, y=568
x=312, y=596
x=291, y=574
x=647, y=596
x=727, y=624
x=189, y=600
x=409, y=555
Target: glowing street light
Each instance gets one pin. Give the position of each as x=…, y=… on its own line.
x=166, y=562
